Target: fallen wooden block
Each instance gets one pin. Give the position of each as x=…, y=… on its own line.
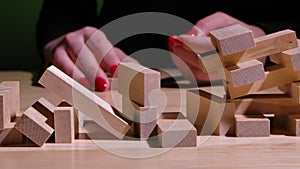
x=176, y=133
x=64, y=124
x=139, y=83
x=232, y=39
x=10, y=136
x=33, y=125
x=84, y=100
x=46, y=108
x=252, y=126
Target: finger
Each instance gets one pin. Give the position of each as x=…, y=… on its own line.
x=217, y=20
x=85, y=60
x=103, y=50
x=62, y=61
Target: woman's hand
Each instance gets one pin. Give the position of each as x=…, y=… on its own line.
x=184, y=48
x=87, y=56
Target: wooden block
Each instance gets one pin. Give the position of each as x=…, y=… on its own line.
x=144, y=118
x=209, y=113
x=64, y=125
x=294, y=124
x=292, y=90
x=276, y=75
x=245, y=73
x=176, y=133
x=139, y=83
x=232, y=39
x=264, y=46
x=14, y=97
x=33, y=125
x=84, y=101
x=252, y=126
x=46, y=108
x=288, y=58
x=11, y=136
x=5, y=117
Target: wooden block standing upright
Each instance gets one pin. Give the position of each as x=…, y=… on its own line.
x=294, y=124
x=5, y=117
x=232, y=39
x=33, y=125
x=252, y=126
x=84, y=100
x=139, y=83
x=209, y=113
x=14, y=97
x=176, y=133
x=64, y=124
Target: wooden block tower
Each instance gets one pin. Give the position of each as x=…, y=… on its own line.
x=248, y=93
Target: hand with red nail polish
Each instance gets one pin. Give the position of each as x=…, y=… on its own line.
x=185, y=48
x=87, y=56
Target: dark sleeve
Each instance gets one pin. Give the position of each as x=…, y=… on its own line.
x=58, y=17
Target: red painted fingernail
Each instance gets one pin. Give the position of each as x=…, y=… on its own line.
x=85, y=83
x=113, y=69
x=101, y=84
x=174, y=41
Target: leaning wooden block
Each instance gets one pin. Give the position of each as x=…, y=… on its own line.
x=10, y=136
x=294, y=124
x=252, y=126
x=64, y=124
x=176, y=133
x=144, y=118
x=245, y=73
x=46, y=108
x=33, y=125
x=209, y=113
x=232, y=39
x=84, y=101
x=13, y=88
x=139, y=83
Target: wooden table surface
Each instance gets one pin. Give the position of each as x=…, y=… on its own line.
x=276, y=151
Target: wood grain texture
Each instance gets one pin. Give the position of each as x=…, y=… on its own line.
x=232, y=39
x=4, y=109
x=176, y=133
x=245, y=73
x=139, y=83
x=252, y=126
x=84, y=100
x=33, y=125
x=64, y=124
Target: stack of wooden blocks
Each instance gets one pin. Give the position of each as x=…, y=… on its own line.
x=253, y=98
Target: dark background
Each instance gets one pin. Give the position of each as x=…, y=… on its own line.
x=17, y=34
